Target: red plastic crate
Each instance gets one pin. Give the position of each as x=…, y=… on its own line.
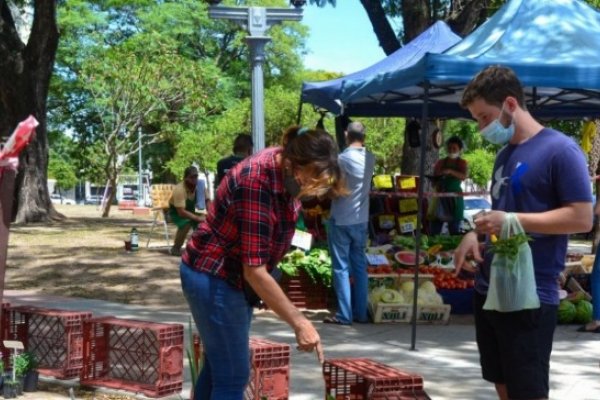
x=363, y=379
x=304, y=293
x=416, y=394
x=55, y=337
x=269, y=369
x=136, y=356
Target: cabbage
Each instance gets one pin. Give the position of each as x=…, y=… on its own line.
x=391, y=296
x=427, y=286
x=407, y=287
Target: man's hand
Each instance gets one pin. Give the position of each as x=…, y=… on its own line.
x=489, y=222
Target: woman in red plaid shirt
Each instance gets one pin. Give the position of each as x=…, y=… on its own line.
x=248, y=229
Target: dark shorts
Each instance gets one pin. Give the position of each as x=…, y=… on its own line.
x=515, y=348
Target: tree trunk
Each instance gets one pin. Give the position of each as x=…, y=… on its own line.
x=412, y=155
x=381, y=26
x=416, y=15
x=465, y=16
x=26, y=71
x=112, y=194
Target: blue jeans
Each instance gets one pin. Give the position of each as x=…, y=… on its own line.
x=222, y=316
x=595, y=286
x=347, y=245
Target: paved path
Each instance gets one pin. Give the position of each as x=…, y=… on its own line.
x=446, y=356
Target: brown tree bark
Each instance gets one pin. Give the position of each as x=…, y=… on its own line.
x=411, y=156
x=381, y=26
x=26, y=70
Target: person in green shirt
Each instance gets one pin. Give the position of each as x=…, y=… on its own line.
x=449, y=172
x=182, y=208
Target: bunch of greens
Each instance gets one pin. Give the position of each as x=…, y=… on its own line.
x=448, y=242
x=316, y=263
x=409, y=242
x=509, y=247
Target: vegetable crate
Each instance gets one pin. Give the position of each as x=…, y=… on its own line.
x=269, y=369
x=399, y=312
x=137, y=356
x=303, y=292
x=55, y=337
x=365, y=379
x=390, y=312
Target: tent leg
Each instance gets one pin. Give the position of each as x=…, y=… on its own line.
x=424, y=136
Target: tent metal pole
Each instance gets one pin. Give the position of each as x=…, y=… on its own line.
x=424, y=136
x=299, y=116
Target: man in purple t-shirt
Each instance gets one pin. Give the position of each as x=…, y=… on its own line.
x=541, y=176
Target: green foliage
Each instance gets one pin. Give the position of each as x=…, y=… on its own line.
x=481, y=165
x=24, y=362
x=195, y=365
x=62, y=171
x=316, y=263
x=385, y=138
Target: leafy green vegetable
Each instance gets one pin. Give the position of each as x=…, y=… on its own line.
x=448, y=242
x=316, y=263
x=509, y=247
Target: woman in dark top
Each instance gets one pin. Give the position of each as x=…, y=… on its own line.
x=449, y=172
x=248, y=229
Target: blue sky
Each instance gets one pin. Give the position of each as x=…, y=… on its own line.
x=341, y=38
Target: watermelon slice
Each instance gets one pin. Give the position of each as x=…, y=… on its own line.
x=407, y=257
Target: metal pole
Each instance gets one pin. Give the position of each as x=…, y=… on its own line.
x=140, y=199
x=424, y=136
x=256, y=45
x=257, y=20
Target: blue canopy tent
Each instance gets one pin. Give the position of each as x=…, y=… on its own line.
x=326, y=94
x=553, y=46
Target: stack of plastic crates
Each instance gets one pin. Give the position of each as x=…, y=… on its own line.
x=136, y=356
x=269, y=369
x=365, y=379
x=55, y=337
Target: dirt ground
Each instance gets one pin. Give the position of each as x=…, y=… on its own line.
x=84, y=256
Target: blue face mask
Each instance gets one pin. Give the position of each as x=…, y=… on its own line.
x=496, y=133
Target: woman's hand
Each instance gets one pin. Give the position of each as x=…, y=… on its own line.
x=268, y=289
x=308, y=339
x=466, y=252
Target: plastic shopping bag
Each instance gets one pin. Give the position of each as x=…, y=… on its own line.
x=512, y=280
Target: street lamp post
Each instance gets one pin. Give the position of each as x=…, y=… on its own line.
x=257, y=21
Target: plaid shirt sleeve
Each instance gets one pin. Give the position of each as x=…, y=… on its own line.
x=253, y=205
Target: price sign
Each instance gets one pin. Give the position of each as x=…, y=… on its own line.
x=377, y=259
x=407, y=227
x=302, y=240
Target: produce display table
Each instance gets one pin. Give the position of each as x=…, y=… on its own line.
x=461, y=300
